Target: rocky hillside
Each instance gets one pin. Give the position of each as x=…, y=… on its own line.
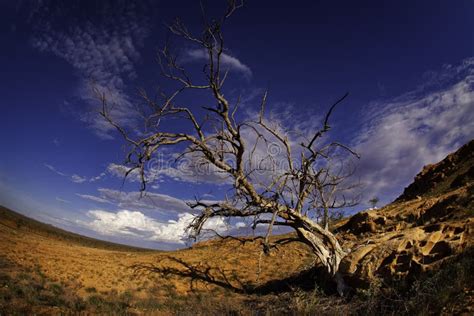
x=431, y=222
x=455, y=171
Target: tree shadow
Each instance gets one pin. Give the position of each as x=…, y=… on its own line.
x=203, y=273
x=314, y=278
x=306, y=280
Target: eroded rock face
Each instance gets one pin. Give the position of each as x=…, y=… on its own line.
x=418, y=231
x=406, y=252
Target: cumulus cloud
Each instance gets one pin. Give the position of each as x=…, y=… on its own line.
x=415, y=129
x=137, y=224
x=227, y=60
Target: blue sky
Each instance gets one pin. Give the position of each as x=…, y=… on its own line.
x=408, y=67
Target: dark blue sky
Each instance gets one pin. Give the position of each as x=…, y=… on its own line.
x=407, y=65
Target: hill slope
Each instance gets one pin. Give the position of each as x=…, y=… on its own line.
x=12, y=221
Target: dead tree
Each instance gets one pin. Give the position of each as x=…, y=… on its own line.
x=279, y=188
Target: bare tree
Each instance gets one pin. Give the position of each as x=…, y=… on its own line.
x=373, y=201
x=283, y=187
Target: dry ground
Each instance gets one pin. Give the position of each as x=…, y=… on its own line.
x=86, y=268
x=44, y=270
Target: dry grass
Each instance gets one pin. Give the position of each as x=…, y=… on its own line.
x=45, y=271
x=96, y=273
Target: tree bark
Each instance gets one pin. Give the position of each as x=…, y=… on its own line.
x=326, y=247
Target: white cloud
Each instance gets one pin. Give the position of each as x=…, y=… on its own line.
x=416, y=129
x=136, y=224
x=227, y=60
x=78, y=179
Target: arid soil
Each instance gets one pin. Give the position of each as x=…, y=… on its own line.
x=218, y=267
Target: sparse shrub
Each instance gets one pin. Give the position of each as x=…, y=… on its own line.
x=95, y=300
x=78, y=304
x=151, y=303
x=126, y=297
x=109, y=305
x=50, y=299
x=20, y=223
x=4, y=279
x=56, y=288
x=41, y=275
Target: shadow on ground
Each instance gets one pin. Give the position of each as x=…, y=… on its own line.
x=310, y=279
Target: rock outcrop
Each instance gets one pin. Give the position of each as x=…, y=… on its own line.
x=432, y=221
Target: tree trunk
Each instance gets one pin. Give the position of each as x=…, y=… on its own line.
x=326, y=218
x=326, y=247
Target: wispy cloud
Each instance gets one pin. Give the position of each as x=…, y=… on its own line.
x=75, y=178
x=191, y=169
x=227, y=61
x=62, y=200
x=415, y=129
x=54, y=170
x=97, y=178
x=135, y=200
x=102, y=47
x=93, y=198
